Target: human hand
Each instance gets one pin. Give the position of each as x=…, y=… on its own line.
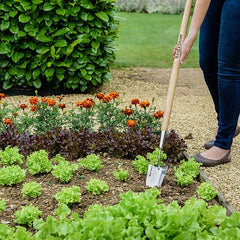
x=184, y=49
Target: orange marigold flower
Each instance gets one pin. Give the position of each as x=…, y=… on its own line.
x=34, y=108
x=114, y=95
x=144, y=104
x=87, y=103
x=2, y=95
x=33, y=100
x=7, y=121
x=62, y=105
x=23, y=106
x=128, y=111
x=79, y=104
x=131, y=123
x=100, y=95
x=135, y=101
x=51, y=102
x=60, y=97
x=106, y=98
x=158, y=114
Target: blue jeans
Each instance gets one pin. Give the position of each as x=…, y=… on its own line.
x=219, y=51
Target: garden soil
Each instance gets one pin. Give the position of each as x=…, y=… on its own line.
x=193, y=118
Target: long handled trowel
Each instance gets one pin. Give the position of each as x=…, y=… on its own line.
x=155, y=174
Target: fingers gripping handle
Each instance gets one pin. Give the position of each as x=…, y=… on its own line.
x=176, y=64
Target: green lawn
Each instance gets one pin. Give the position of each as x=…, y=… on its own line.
x=147, y=40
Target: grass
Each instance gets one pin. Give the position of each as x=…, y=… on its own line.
x=147, y=40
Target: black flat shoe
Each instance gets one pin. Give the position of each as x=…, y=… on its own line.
x=210, y=162
x=210, y=143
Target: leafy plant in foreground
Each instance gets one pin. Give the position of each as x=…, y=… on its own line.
x=92, y=162
x=96, y=186
x=187, y=171
x=31, y=189
x=27, y=215
x=69, y=195
x=11, y=156
x=141, y=164
x=2, y=204
x=206, y=191
x=121, y=175
x=38, y=162
x=129, y=220
x=64, y=171
x=11, y=175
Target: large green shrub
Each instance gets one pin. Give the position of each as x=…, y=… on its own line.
x=56, y=43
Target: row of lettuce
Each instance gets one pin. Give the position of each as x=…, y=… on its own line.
x=130, y=220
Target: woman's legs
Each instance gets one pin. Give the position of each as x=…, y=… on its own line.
x=228, y=73
x=227, y=104
x=208, y=49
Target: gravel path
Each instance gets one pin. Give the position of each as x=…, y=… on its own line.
x=192, y=112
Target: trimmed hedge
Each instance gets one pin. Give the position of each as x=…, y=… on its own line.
x=56, y=43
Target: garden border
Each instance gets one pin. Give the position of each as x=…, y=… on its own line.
x=220, y=198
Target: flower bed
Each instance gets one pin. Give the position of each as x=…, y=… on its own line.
x=126, y=217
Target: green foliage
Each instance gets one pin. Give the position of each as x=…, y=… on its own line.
x=121, y=174
x=97, y=186
x=27, y=215
x=8, y=233
x=68, y=195
x=56, y=43
x=31, y=189
x=141, y=164
x=206, y=191
x=11, y=175
x=2, y=205
x=5, y=231
x=129, y=220
x=92, y=162
x=187, y=171
x=64, y=171
x=11, y=156
x=153, y=157
x=38, y=162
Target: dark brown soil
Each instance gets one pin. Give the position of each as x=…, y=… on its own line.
x=51, y=185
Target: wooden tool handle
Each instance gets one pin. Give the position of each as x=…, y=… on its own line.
x=175, y=67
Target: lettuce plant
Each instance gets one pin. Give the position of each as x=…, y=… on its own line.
x=2, y=204
x=38, y=162
x=27, y=215
x=153, y=157
x=11, y=156
x=141, y=164
x=187, y=171
x=97, y=186
x=206, y=191
x=31, y=189
x=69, y=195
x=92, y=162
x=11, y=175
x=64, y=171
x=121, y=175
